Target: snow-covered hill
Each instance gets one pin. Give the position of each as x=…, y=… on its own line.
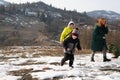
x=103, y=13
x=33, y=66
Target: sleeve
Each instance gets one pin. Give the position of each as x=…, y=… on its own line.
x=65, y=43
x=63, y=35
x=78, y=45
x=105, y=30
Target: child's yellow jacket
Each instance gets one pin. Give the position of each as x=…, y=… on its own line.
x=66, y=33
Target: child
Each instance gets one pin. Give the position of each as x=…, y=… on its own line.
x=67, y=31
x=69, y=45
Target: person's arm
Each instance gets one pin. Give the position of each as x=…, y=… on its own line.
x=78, y=45
x=65, y=43
x=62, y=35
x=105, y=29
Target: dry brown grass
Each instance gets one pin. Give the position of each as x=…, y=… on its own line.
x=23, y=56
x=20, y=72
x=36, y=55
x=24, y=73
x=86, y=51
x=55, y=63
x=30, y=62
x=37, y=51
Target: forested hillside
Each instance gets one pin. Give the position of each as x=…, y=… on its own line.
x=41, y=24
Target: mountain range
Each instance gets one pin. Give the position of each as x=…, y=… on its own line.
x=2, y=2
x=37, y=23
x=34, y=23
x=104, y=13
x=94, y=14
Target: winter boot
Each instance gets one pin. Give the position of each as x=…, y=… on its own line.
x=92, y=60
x=106, y=60
x=62, y=62
x=92, y=56
x=71, y=66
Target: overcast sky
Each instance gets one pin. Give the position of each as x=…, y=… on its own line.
x=80, y=5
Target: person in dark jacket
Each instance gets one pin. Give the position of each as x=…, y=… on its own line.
x=98, y=39
x=69, y=45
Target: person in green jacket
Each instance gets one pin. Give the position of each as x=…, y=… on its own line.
x=98, y=39
x=67, y=31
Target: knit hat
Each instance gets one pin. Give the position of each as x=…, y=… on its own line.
x=71, y=22
x=75, y=32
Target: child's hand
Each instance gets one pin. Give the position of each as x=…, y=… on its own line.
x=68, y=49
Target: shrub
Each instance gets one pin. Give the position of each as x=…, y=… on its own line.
x=114, y=50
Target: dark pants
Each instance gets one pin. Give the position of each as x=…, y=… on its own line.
x=104, y=50
x=69, y=57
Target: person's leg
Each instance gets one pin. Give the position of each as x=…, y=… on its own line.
x=71, y=58
x=92, y=56
x=105, y=55
x=65, y=58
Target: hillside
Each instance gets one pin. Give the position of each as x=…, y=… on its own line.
x=111, y=15
x=13, y=33
x=5, y=3
x=35, y=23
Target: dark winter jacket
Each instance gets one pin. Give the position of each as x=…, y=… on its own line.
x=98, y=39
x=71, y=43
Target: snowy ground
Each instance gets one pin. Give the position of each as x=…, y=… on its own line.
x=14, y=67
